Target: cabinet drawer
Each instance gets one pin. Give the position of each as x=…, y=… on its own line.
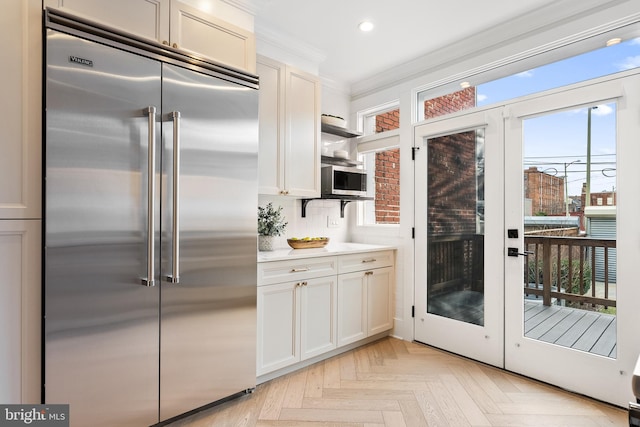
x=284, y=271
x=364, y=261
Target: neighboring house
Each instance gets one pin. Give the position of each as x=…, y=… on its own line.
x=545, y=191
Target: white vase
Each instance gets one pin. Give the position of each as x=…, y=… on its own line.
x=265, y=243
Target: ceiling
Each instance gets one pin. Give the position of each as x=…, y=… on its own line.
x=327, y=31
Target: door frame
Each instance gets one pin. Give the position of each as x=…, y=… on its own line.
x=483, y=343
x=597, y=376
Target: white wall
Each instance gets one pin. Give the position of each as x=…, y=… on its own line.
x=315, y=222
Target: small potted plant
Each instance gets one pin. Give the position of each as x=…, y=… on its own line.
x=270, y=224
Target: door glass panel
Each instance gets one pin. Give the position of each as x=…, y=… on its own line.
x=570, y=229
x=455, y=223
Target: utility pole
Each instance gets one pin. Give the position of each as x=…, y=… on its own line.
x=566, y=189
x=587, y=195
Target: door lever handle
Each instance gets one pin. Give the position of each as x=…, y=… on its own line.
x=515, y=252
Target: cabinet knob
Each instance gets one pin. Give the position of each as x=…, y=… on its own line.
x=164, y=42
x=175, y=45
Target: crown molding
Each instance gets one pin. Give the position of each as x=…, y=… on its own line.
x=249, y=6
x=288, y=44
x=335, y=85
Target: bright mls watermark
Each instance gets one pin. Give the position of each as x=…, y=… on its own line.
x=34, y=415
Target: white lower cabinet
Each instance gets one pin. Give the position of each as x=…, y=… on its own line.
x=309, y=307
x=352, y=309
x=296, y=321
x=364, y=304
x=20, y=314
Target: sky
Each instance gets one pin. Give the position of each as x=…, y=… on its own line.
x=555, y=140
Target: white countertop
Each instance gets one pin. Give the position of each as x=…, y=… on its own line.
x=333, y=248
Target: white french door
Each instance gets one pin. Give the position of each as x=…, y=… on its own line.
x=587, y=348
x=458, y=235
x=471, y=297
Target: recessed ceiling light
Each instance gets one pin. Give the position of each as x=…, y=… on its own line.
x=465, y=85
x=613, y=41
x=365, y=26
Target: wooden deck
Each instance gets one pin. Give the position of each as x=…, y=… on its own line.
x=569, y=327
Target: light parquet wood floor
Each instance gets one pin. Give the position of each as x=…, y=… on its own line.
x=396, y=383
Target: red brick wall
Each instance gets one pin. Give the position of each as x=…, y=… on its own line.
x=452, y=170
x=463, y=199
x=451, y=184
x=545, y=191
x=388, y=121
x=603, y=196
x=388, y=187
x=387, y=179
x=447, y=104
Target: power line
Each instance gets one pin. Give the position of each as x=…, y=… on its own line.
x=566, y=157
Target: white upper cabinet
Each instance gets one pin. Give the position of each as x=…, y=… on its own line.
x=173, y=23
x=289, y=156
x=206, y=35
x=20, y=110
x=144, y=18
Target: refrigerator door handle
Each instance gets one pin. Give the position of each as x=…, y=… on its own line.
x=175, y=224
x=151, y=190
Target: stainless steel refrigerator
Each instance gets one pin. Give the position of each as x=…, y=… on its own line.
x=150, y=228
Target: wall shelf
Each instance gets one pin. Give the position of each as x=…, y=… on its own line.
x=338, y=161
x=337, y=130
x=344, y=200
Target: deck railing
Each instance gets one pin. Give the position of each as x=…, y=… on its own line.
x=564, y=268
x=456, y=262
x=557, y=268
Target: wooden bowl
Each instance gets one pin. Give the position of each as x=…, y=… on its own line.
x=306, y=244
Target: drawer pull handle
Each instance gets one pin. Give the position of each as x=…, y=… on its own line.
x=301, y=284
x=368, y=273
x=297, y=270
x=369, y=260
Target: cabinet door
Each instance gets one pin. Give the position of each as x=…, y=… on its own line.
x=20, y=109
x=302, y=155
x=201, y=33
x=352, y=308
x=380, y=299
x=272, y=125
x=317, y=316
x=278, y=320
x=145, y=18
x=20, y=296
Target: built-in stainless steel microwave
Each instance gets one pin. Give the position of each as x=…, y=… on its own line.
x=343, y=181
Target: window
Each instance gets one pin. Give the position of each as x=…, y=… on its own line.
x=542, y=74
x=379, y=153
